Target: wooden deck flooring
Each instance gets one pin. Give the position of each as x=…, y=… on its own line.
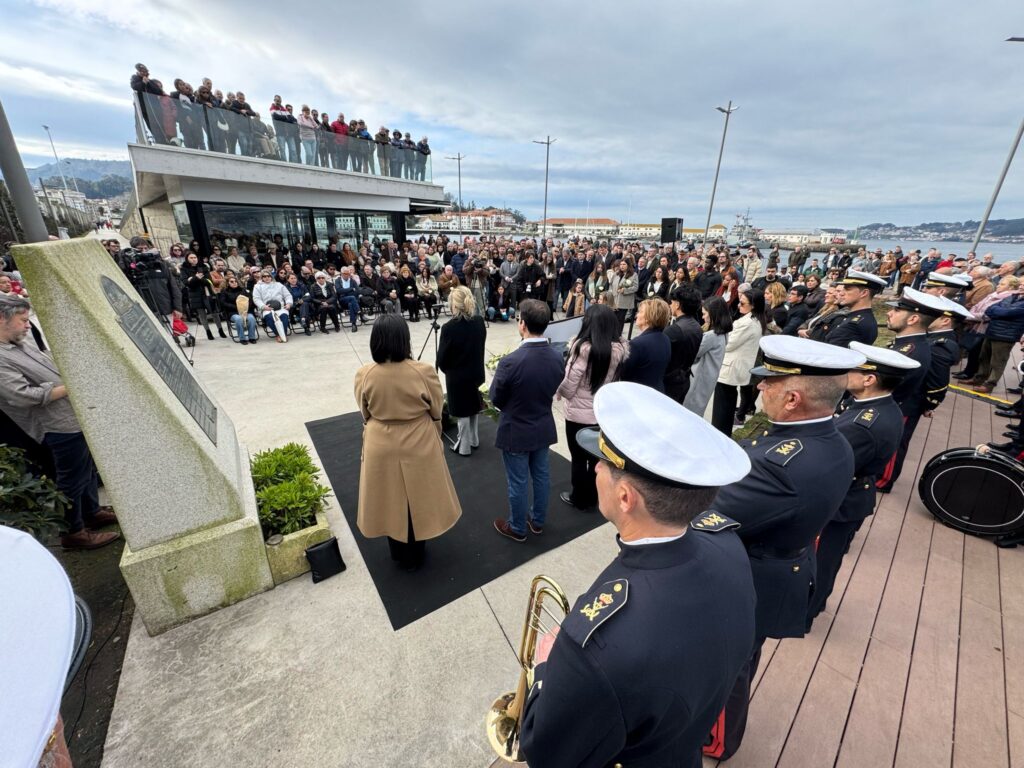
x=918, y=660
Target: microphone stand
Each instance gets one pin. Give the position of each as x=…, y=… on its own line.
x=434, y=328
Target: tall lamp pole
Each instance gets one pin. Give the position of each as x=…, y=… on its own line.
x=547, y=163
x=1002, y=175
x=727, y=111
x=60, y=168
x=71, y=168
x=459, y=158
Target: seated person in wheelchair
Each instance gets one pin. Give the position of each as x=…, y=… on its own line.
x=324, y=300
x=236, y=304
x=273, y=302
x=367, y=291
x=301, y=304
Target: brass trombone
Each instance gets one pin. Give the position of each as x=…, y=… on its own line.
x=505, y=717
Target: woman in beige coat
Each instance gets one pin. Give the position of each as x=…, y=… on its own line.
x=405, y=490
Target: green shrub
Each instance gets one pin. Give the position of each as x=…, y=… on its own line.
x=280, y=464
x=28, y=503
x=288, y=495
x=292, y=505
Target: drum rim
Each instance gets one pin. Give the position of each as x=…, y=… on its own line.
x=1000, y=464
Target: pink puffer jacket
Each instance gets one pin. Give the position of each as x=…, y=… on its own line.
x=575, y=389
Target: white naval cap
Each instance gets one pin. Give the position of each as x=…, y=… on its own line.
x=920, y=302
x=883, y=360
x=645, y=432
x=796, y=356
x=942, y=280
x=863, y=280
x=955, y=309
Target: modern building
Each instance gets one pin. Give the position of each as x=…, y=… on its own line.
x=186, y=191
x=640, y=231
x=578, y=227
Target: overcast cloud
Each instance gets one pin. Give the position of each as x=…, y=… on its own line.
x=848, y=113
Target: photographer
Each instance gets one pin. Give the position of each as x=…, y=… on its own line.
x=152, y=278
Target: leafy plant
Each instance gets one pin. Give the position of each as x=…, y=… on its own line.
x=288, y=495
x=29, y=503
x=280, y=464
x=292, y=505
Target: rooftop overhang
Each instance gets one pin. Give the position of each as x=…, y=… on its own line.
x=176, y=174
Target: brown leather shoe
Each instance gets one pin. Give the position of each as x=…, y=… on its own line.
x=501, y=526
x=87, y=540
x=101, y=519
x=983, y=388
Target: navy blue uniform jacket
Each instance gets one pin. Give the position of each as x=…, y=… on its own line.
x=909, y=394
x=522, y=389
x=645, y=659
x=647, y=360
x=945, y=354
x=873, y=429
x=799, y=476
x=859, y=325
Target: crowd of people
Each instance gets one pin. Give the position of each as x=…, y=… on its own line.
x=206, y=118
x=753, y=522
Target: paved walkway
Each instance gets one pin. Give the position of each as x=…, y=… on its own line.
x=917, y=661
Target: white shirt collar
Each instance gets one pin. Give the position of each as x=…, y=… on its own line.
x=652, y=540
x=535, y=340
x=872, y=399
x=803, y=421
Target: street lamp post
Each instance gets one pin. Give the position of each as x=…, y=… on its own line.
x=74, y=180
x=1002, y=175
x=727, y=111
x=60, y=168
x=547, y=158
x=459, y=158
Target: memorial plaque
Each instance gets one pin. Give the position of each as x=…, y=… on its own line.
x=165, y=359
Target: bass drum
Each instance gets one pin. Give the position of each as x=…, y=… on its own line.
x=975, y=493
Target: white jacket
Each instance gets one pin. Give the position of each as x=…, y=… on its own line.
x=740, y=351
x=264, y=292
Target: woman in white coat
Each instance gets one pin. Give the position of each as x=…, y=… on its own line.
x=704, y=373
x=740, y=354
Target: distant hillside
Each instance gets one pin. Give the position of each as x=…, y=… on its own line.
x=90, y=170
x=944, y=230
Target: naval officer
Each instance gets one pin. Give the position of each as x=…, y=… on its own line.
x=872, y=423
x=855, y=293
x=942, y=335
x=800, y=472
x=909, y=316
x=949, y=286
x=646, y=657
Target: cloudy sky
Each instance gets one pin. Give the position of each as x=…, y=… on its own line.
x=849, y=112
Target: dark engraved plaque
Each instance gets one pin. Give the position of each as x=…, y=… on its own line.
x=165, y=359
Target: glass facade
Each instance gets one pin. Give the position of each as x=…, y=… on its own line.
x=243, y=225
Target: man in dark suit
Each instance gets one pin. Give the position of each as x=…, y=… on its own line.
x=650, y=351
x=684, y=335
x=522, y=389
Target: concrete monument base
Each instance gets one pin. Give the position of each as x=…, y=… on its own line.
x=195, y=574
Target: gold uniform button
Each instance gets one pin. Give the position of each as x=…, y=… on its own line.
x=796, y=569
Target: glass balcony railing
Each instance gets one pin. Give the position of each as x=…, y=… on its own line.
x=172, y=122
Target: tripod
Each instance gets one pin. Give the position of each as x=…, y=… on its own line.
x=434, y=327
x=147, y=296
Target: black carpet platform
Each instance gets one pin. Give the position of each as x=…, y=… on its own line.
x=470, y=554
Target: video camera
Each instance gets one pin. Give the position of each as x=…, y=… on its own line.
x=136, y=263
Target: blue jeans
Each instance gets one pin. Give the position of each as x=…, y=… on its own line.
x=309, y=148
x=76, y=477
x=250, y=321
x=519, y=467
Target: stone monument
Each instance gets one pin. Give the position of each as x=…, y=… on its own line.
x=168, y=454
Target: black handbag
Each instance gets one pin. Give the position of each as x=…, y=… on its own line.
x=325, y=559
